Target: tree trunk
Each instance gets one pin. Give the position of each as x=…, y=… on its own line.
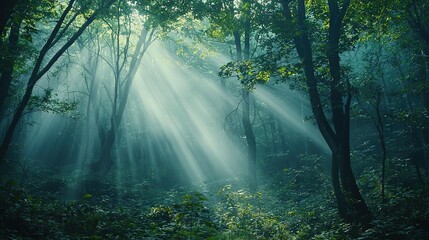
x=244, y=54
x=275, y=142
x=248, y=129
x=416, y=13
x=351, y=206
x=423, y=66
x=251, y=141
x=282, y=137
x=16, y=117
x=6, y=11
x=358, y=208
x=335, y=175
x=9, y=63
x=341, y=116
x=106, y=160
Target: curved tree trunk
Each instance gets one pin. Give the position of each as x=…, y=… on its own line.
x=351, y=205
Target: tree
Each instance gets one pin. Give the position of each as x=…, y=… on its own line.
x=57, y=43
x=351, y=204
x=123, y=75
x=234, y=18
x=127, y=59
x=419, y=21
x=8, y=63
x=17, y=40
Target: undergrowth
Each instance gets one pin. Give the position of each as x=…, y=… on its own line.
x=295, y=204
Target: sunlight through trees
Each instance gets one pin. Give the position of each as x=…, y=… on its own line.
x=214, y=119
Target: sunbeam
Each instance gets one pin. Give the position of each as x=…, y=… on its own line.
x=293, y=112
x=186, y=108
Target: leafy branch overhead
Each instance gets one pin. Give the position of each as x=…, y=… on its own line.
x=49, y=102
x=250, y=73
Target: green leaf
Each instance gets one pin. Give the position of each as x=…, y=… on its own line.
x=87, y=196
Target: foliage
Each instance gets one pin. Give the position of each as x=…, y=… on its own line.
x=23, y=216
x=190, y=219
x=48, y=103
x=296, y=204
x=241, y=215
x=246, y=72
x=403, y=216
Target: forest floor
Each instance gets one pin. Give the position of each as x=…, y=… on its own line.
x=293, y=204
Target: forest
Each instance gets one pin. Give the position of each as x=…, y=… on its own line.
x=214, y=119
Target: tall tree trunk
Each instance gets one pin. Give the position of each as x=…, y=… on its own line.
x=244, y=54
x=341, y=112
x=275, y=142
x=9, y=62
x=282, y=137
x=251, y=141
x=351, y=206
x=379, y=125
x=423, y=65
x=106, y=159
x=6, y=11
x=91, y=70
x=335, y=178
x=247, y=125
x=416, y=11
